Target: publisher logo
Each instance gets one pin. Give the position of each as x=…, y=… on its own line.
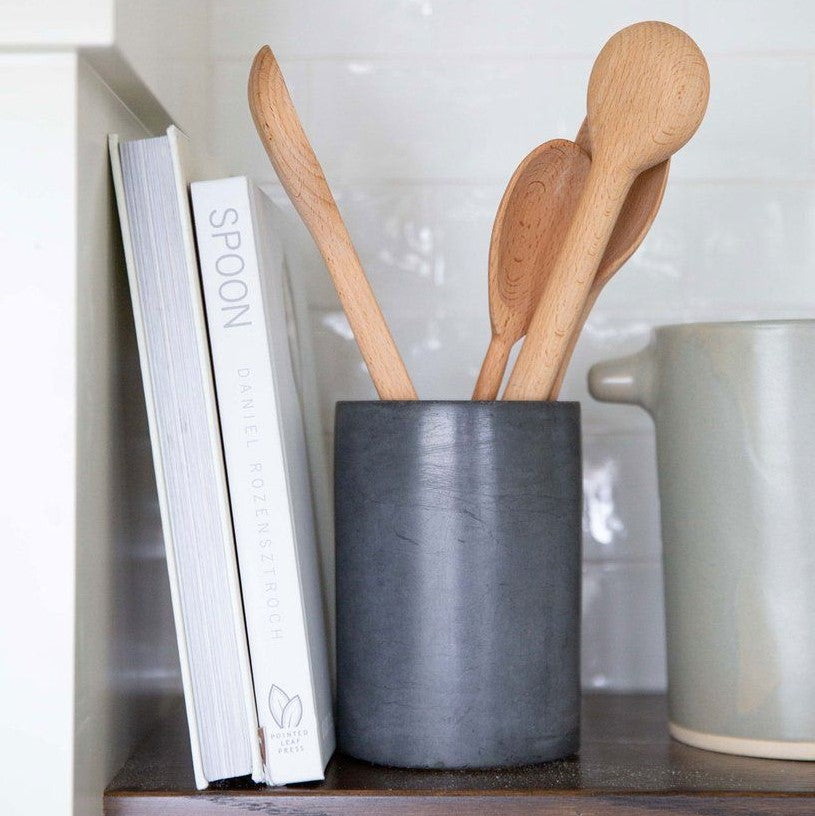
x=286, y=711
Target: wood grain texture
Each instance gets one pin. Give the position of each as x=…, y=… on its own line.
x=627, y=765
x=636, y=217
x=530, y=225
x=302, y=177
x=647, y=95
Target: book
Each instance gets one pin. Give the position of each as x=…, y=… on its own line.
x=151, y=178
x=255, y=360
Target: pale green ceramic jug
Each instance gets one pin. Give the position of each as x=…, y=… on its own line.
x=734, y=410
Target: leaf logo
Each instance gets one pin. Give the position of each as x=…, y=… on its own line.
x=287, y=711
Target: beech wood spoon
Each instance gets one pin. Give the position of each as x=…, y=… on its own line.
x=302, y=177
x=636, y=216
x=647, y=95
x=531, y=222
x=526, y=272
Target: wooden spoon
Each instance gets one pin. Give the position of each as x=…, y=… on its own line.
x=636, y=216
x=648, y=92
x=531, y=222
x=525, y=272
x=302, y=177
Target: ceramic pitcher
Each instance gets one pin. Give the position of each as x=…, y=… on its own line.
x=734, y=410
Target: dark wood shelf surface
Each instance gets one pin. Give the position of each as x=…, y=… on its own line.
x=627, y=765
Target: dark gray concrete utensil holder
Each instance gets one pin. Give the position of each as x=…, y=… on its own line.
x=458, y=530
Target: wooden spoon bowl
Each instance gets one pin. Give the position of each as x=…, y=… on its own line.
x=532, y=219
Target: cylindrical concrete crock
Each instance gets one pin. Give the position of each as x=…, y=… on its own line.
x=734, y=410
x=458, y=530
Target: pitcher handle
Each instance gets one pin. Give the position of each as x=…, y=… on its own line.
x=627, y=379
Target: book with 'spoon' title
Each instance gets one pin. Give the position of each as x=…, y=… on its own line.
x=245, y=293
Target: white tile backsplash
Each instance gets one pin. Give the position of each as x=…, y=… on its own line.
x=757, y=124
x=620, y=502
x=757, y=240
x=326, y=28
x=758, y=26
x=419, y=111
x=623, y=626
x=443, y=119
x=431, y=241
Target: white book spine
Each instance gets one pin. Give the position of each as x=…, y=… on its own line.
x=249, y=407
x=208, y=764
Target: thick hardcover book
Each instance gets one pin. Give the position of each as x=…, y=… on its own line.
x=151, y=178
x=242, y=271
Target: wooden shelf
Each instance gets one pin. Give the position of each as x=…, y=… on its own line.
x=627, y=765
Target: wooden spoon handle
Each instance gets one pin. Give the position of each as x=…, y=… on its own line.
x=492, y=370
x=302, y=177
x=558, y=312
x=638, y=212
x=591, y=299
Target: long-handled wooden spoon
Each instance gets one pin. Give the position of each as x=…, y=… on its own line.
x=526, y=216
x=636, y=216
x=647, y=95
x=531, y=222
x=302, y=177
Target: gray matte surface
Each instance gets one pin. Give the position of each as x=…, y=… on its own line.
x=458, y=529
